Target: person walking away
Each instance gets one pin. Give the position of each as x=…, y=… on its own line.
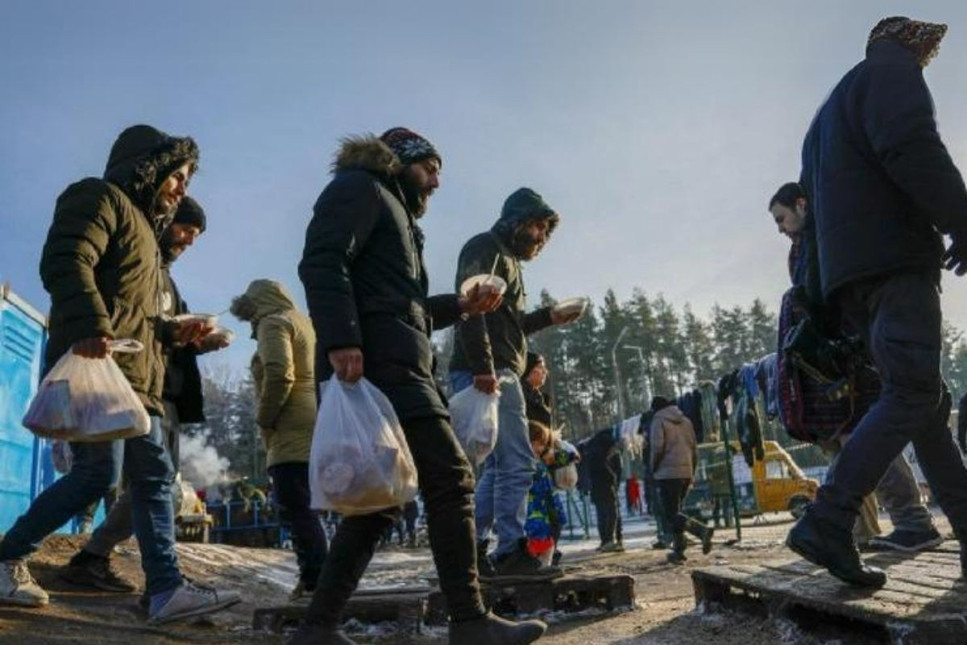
x=284, y=375
x=101, y=266
x=674, y=457
x=366, y=288
x=883, y=191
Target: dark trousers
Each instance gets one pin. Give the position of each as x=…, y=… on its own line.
x=671, y=493
x=900, y=321
x=447, y=486
x=290, y=483
x=605, y=502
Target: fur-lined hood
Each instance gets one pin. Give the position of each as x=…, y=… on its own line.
x=366, y=152
x=141, y=159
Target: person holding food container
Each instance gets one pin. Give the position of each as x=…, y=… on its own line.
x=490, y=354
x=101, y=265
x=181, y=397
x=367, y=291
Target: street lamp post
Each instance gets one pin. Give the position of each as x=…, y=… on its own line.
x=646, y=380
x=617, y=373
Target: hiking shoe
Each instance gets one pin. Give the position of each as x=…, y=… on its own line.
x=95, y=571
x=659, y=545
x=612, y=547
x=906, y=541
x=493, y=630
x=18, y=587
x=190, y=599
x=521, y=566
x=310, y=634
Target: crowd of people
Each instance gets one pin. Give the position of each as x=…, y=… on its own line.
x=877, y=192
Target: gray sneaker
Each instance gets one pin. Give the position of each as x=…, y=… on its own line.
x=18, y=587
x=906, y=541
x=192, y=599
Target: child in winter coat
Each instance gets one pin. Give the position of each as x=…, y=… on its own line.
x=545, y=511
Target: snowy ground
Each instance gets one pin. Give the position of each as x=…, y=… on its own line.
x=665, y=612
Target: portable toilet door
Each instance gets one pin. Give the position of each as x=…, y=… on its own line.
x=23, y=335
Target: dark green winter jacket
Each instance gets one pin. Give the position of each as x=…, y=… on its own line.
x=498, y=340
x=101, y=263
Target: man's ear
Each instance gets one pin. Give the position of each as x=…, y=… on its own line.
x=801, y=205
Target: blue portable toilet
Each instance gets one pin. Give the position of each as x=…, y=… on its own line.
x=23, y=334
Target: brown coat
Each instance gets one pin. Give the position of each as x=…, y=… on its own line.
x=674, y=451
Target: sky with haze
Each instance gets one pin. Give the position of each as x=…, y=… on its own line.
x=658, y=130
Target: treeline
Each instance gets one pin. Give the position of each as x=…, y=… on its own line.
x=656, y=348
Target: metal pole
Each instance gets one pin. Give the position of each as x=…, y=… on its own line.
x=617, y=373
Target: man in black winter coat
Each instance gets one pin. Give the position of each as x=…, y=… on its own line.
x=883, y=190
x=366, y=288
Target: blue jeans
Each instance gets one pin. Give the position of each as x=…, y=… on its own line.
x=501, y=496
x=96, y=469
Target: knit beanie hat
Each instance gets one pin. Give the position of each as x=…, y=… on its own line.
x=190, y=212
x=922, y=38
x=409, y=146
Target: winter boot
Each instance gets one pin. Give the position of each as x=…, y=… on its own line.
x=831, y=546
x=86, y=569
x=699, y=530
x=677, y=554
x=493, y=630
x=520, y=566
x=310, y=634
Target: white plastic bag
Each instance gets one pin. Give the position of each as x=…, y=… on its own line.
x=359, y=461
x=88, y=399
x=566, y=477
x=474, y=416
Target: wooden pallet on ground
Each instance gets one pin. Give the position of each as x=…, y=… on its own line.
x=407, y=606
x=570, y=593
x=923, y=603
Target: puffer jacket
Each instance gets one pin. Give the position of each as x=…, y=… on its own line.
x=674, y=451
x=498, y=340
x=283, y=372
x=366, y=283
x=880, y=183
x=101, y=263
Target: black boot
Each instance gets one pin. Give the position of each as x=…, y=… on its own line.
x=89, y=570
x=831, y=546
x=699, y=530
x=485, y=568
x=520, y=566
x=493, y=630
x=310, y=634
x=677, y=554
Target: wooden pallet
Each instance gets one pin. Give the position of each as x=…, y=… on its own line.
x=924, y=601
x=406, y=606
x=570, y=593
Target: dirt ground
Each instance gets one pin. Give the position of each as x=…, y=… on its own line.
x=665, y=614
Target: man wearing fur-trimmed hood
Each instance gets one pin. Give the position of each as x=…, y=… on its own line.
x=490, y=352
x=101, y=265
x=883, y=191
x=366, y=288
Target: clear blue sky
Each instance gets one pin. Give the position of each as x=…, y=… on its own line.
x=657, y=129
